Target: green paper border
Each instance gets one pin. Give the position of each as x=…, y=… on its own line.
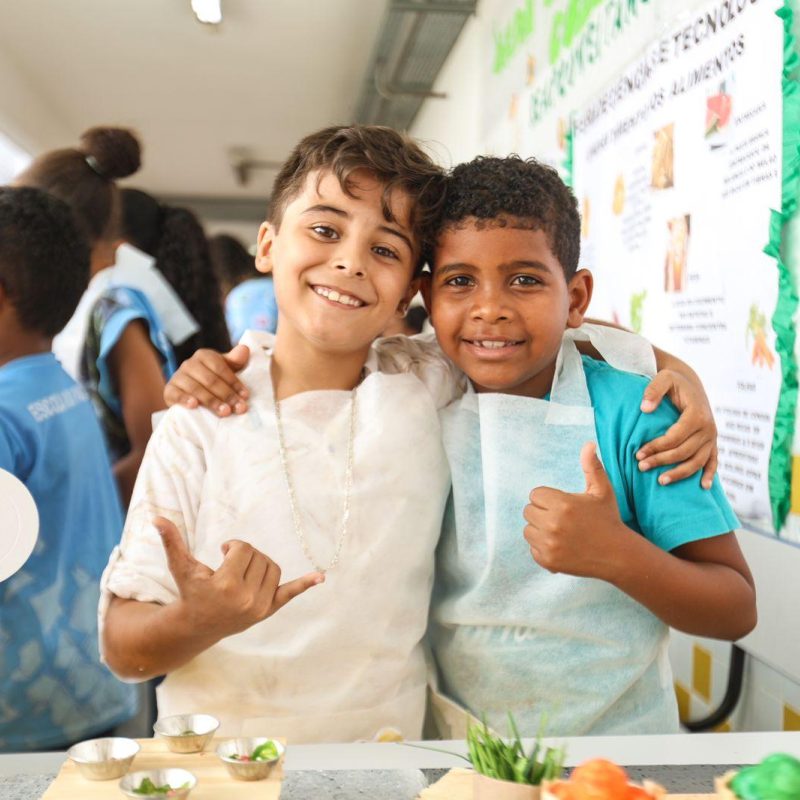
x=568, y=154
x=780, y=462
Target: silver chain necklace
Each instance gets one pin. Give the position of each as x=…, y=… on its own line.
x=348, y=483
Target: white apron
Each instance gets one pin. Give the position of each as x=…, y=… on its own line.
x=576, y=653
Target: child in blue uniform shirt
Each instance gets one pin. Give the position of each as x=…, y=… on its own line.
x=565, y=617
x=53, y=688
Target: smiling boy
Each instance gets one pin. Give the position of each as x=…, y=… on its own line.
x=567, y=622
x=303, y=481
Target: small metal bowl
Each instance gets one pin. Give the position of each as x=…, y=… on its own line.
x=248, y=770
x=187, y=733
x=104, y=759
x=180, y=780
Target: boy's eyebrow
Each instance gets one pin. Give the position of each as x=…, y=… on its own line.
x=342, y=213
x=505, y=267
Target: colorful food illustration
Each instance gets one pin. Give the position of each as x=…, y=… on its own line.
x=513, y=106
x=677, y=253
x=761, y=356
x=718, y=111
x=586, y=209
x=618, y=204
x=637, y=304
x=264, y=752
x=147, y=787
x=777, y=777
x=530, y=76
x=599, y=779
x=663, y=166
x=561, y=133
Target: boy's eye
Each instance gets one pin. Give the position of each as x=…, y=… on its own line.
x=325, y=231
x=459, y=281
x=384, y=252
x=525, y=280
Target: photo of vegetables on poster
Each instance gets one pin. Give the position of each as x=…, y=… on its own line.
x=676, y=167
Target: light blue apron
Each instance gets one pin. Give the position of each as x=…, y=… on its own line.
x=507, y=634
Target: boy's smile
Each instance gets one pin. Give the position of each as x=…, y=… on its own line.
x=341, y=269
x=500, y=304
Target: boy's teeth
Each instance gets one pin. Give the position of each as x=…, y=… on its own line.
x=491, y=345
x=332, y=294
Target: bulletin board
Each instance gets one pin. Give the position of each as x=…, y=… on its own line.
x=677, y=167
x=685, y=166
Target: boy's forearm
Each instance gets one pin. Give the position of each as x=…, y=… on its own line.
x=664, y=360
x=144, y=640
x=703, y=599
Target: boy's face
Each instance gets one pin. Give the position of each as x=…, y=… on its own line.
x=500, y=304
x=341, y=271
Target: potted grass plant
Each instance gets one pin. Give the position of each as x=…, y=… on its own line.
x=503, y=770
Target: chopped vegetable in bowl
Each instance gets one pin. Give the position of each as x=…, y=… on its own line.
x=147, y=787
x=264, y=752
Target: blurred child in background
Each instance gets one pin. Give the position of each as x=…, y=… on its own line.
x=175, y=238
x=249, y=295
x=53, y=689
x=127, y=356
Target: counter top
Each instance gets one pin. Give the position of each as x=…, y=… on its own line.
x=677, y=749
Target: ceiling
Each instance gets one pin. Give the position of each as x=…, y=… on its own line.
x=272, y=72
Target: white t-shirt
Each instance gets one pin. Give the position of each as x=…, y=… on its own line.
x=346, y=658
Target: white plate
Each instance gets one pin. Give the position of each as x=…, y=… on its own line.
x=19, y=524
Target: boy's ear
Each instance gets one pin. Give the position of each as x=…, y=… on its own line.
x=425, y=285
x=266, y=238
x=408, y=296
x=580, y=294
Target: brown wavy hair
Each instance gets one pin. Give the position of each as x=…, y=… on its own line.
x=395, y=160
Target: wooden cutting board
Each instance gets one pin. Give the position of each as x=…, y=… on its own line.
x=213, y=780
x=457, y=785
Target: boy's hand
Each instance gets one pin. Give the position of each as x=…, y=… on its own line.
x=209, y=379
x=243, y=591
x=691, y=442
x=576, y=533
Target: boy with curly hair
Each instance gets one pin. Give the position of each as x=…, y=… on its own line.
x=53, y=689
x=565, y=617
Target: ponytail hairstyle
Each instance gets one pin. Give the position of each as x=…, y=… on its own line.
x=84, y=176
x=175, y=238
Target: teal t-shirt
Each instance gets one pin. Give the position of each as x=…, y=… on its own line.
x=510, y=636
x=668, y=516
x=53, y=688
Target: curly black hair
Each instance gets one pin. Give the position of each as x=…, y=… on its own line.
x=175, y=238
x=515, y=192
x=44, y=258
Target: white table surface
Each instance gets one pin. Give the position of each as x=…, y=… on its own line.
x=698, y=748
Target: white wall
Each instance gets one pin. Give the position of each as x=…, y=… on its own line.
x=27, y=116
x=452, y=124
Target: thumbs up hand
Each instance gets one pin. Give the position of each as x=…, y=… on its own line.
x=578, y=534
x=243, y=591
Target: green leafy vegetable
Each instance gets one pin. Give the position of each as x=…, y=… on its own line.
x=147, y=787
x=264, y=752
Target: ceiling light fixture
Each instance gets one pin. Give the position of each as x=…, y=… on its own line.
x=208, y=11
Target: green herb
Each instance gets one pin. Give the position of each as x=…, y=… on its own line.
x=494, y=757
x=187, y=733
x=147, y=787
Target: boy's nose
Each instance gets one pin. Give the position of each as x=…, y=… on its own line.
x=489, y=307
x=349, y=267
